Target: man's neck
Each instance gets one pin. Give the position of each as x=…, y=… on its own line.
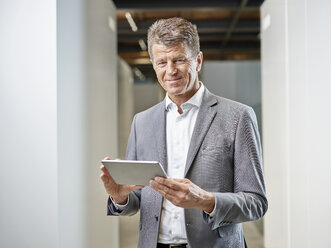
x=180, y=99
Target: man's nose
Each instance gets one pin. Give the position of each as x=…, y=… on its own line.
x=171, y=68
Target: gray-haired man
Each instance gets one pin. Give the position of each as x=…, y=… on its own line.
x=209, y=146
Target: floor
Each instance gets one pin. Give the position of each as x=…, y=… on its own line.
x=129, y=233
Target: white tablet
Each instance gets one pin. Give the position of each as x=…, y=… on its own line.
x=134, y=172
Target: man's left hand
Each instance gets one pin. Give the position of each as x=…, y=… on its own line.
x=183, y=193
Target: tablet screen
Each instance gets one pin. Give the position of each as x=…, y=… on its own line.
x=134, y=172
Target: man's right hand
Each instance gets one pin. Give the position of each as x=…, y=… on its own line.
x=118, y=192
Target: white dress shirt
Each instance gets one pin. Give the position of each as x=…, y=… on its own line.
x=179, y=132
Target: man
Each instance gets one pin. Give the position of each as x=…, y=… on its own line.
x=209, y=146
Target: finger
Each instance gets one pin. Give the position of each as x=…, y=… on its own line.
x=163, y=189
x=185, y=180
x=162, y=184
x=104, y=170
x=107, y=174
x=106, y=158
x=175, y=200
x=107, y=178
x=155, y=185
x=104, y=178
x=171, y=183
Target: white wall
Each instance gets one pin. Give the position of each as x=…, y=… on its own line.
x=237, y=80
x=58, y=108
x=28, y=128
x=146, y=95
x=125, y=104
x=87, y=131
x=295, y=101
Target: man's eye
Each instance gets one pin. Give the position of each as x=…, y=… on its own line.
x=161, y=63
x=180, y=61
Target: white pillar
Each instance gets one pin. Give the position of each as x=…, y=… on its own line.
x=58, y=108
x=87, y=120
x=125, y=105
x=28, y=124
x=296, y=133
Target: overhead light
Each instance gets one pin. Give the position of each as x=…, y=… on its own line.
x=142, y=45
x=139, y=74
x=131, y=22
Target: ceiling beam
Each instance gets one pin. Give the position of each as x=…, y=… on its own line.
x=182, y=4
x=203, y=26
x=248, y=36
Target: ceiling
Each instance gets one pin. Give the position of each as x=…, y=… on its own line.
x=228, y=29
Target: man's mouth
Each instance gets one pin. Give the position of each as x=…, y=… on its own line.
x=173, y=80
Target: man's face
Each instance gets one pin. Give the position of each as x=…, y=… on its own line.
x=177, y=70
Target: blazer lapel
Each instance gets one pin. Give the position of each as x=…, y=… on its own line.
x=204, y=119
x=159, y=130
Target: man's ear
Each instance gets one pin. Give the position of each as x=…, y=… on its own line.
x=199, y=61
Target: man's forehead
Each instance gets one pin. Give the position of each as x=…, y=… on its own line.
x=160, y=46
x=161, y=50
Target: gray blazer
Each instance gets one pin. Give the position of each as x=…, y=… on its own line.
x=224, y=157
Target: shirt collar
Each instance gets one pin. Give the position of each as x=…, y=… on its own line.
x=195, y=100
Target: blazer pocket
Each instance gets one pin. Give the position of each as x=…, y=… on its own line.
x=216, y=168
x=215, y=154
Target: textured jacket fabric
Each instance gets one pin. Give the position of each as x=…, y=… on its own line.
x=224, y=157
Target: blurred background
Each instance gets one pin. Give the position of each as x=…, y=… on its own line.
x=73, y=74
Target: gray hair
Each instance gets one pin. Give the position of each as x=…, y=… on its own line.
x=173, y=31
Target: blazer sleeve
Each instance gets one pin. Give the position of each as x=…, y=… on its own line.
x=248, y=202
x=134, y=198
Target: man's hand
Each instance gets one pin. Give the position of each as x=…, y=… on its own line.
x=183, y=193
x=118, y=192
